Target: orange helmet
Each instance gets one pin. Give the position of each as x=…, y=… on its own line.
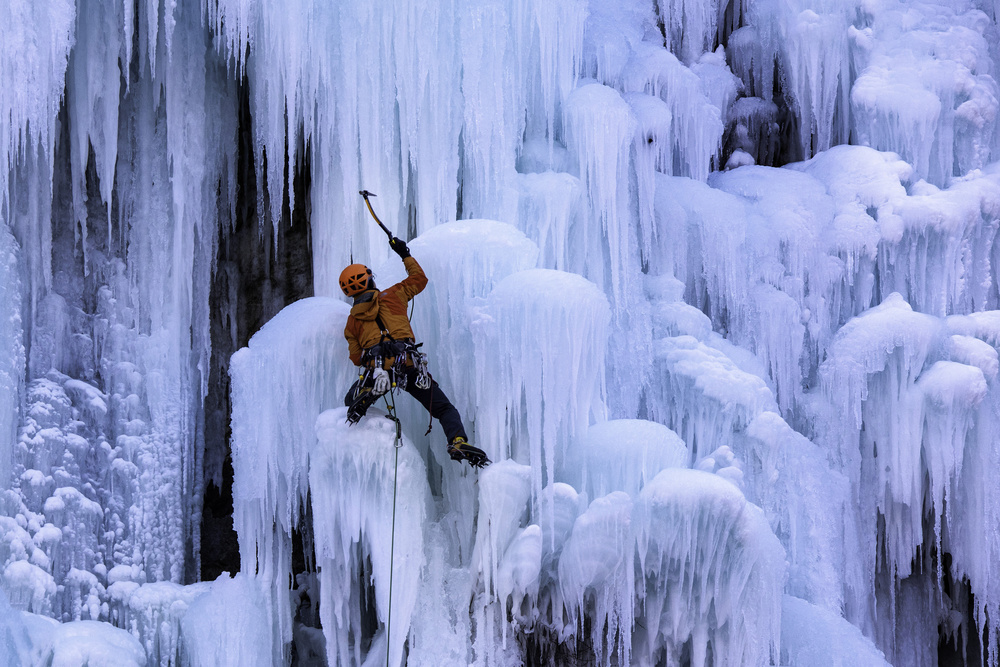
x=355, y=279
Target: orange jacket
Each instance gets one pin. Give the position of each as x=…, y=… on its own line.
x=390, y=305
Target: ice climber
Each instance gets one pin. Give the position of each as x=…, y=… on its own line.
x=381, y=342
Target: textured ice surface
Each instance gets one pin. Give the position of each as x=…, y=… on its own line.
x=712, y=573
x=622, y=455
x=359, y=480
x=293, y=368
x=811, y=635
x=704, y=397
x=154, y=614
x=227, y=623
x=94, y=644
x=559, y=376
x=822, y=337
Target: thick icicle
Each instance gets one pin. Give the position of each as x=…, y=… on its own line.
x=293, y=368
x=712, y=573
x=558, y=377
x=359, y=490
x=597, y=576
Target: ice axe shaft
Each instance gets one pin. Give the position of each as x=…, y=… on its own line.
x=366, y=195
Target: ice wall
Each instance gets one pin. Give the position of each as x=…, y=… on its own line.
x=541, y=343
x=295, y=367
x=749, y=310
x=12, y=369
x=362, y=486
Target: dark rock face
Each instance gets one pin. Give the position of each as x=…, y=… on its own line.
x=262, y=266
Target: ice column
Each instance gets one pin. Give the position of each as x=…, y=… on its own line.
x=494, y=118
x=653, y=152
x=359, y=481
x=712, y=573
x=504, y=492
x=92, y=98
x=597, y=576
x=294, y=367
x=809, y=42
x=953, y=392
x=807, y=504
x=11, y=348
x=540, y=347
x=690, y=26
x=976, y=500
x=880, y=354
x=600, y=129
x=560, y=27
x=463, y=261
x=35, y=42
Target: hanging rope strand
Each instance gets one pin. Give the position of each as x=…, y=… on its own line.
x=397, y=444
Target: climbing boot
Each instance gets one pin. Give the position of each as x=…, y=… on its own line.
x=459, y=449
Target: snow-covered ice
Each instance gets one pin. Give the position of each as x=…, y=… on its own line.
x=714, y=285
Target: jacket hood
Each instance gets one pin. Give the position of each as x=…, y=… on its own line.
x=366, y=310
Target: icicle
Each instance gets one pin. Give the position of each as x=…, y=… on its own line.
x=493, y=109
x=597, y=576
x=549, y=212
x=600, y=128
x=356, y=487
x=558, y=376
x=560, y=28
x=294, y=367
x=697, y=122
x=11, y=348
x=712, y=572
x=93, y=86
x=653, y=152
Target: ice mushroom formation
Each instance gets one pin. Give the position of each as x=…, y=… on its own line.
x=711, y=282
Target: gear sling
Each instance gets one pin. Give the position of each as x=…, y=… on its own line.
x=362, y=395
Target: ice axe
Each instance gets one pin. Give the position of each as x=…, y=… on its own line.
x=366, y=195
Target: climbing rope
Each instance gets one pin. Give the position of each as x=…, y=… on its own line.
x=397, y=444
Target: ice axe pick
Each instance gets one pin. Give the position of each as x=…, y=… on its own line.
x=366, y=195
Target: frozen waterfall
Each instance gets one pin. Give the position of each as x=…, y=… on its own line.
x=712, y=283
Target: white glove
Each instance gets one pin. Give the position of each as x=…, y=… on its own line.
x=381, y=382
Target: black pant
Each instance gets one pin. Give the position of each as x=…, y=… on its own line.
x=434, y=401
